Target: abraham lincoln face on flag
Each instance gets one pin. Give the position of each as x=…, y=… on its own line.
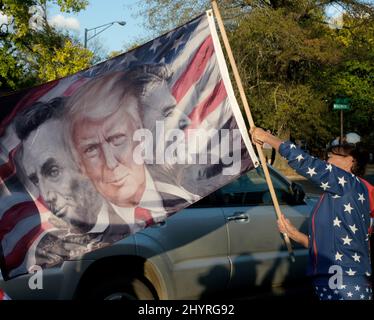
x=49, y=168
x=137, y=138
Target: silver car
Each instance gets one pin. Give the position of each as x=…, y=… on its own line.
x=228, y=240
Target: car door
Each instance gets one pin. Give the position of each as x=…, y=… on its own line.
x=256, y=248
x=196, y=244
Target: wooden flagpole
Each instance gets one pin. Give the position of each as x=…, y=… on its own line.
x=251, y=122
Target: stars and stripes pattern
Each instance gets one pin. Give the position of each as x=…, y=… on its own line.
x=340, y=223
x=344, y=292
x=200, y=85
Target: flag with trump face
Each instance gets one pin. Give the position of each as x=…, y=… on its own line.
x=95, y=157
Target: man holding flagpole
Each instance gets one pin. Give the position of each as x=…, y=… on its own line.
x=339, y=230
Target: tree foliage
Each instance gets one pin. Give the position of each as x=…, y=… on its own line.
x=164, y=15
x=354, y=76
x=32, y=51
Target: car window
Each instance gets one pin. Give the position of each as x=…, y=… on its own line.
x=210, y=201
x=250, y=189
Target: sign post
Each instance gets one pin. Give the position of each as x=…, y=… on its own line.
x=341, y=104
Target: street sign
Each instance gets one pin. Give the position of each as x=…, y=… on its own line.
x=342, y=104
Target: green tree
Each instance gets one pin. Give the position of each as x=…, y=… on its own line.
x=354, y=76
x=61, y=62
x=31, y=50
x=164, y=15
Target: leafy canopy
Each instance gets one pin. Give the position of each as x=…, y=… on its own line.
x=31, y=50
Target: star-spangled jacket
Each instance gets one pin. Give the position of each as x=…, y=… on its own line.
x=340, y=221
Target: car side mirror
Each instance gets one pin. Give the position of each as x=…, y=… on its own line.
x=298, y=193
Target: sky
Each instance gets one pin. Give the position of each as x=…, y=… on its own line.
x=100, y=12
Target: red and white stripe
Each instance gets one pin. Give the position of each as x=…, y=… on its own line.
x=8, y=146
x=199, y=90
x=3, y=295
x=185, y=57
x=22, y=221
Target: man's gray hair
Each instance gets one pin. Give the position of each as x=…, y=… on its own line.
x=91, y=101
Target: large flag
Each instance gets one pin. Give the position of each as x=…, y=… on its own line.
x=3, y=296
x=92, y=158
